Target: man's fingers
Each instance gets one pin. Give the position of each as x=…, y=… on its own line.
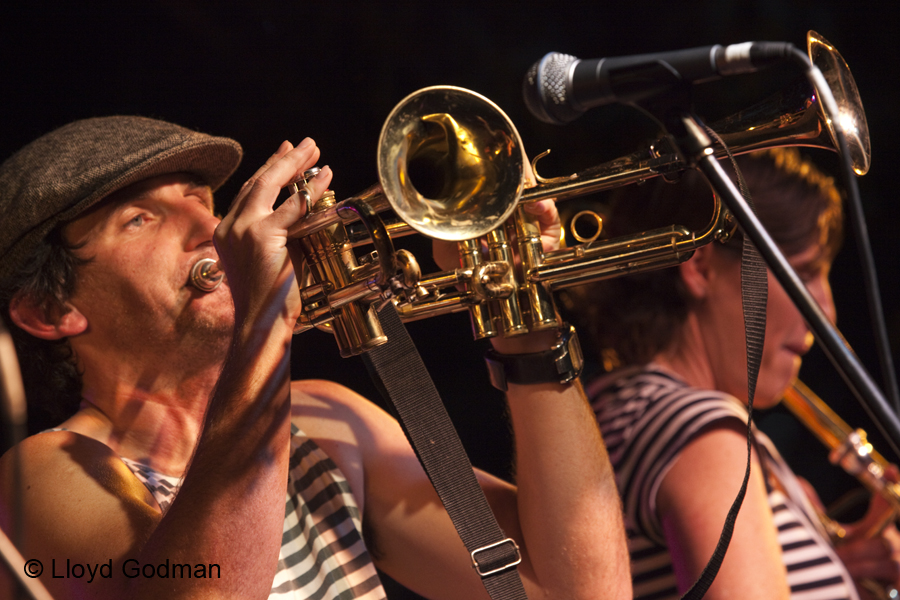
x=548, y=218
x=286, y=170
x=255, y=202
x=545, y=210
x=295, y=207
x=238, y=201
x=284, y=167
x=319, y=184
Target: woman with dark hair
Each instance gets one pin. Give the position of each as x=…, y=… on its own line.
x=672, y=408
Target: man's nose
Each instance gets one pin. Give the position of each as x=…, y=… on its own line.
x=202, y=223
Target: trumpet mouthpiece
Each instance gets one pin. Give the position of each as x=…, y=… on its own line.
x=207, y=274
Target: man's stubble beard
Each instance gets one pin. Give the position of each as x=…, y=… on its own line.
x=207, y=334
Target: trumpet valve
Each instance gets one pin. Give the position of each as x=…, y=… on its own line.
x=491, y=280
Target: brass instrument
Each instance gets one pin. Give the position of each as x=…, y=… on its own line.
x=849, y=449
x=451, y=166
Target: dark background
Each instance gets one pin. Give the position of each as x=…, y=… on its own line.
x=266, y=71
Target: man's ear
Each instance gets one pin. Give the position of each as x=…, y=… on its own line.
x=46, y=320
x=695, y=272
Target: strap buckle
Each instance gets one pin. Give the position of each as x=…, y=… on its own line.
x=515, y=557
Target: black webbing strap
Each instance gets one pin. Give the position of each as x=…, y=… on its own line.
x=754, y=295
x=398, y=370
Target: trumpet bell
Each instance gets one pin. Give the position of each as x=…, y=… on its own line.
x=851, y=115
x=795, y=116
x=450, y=163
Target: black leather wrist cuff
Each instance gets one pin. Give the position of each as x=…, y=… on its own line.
x=560, y=364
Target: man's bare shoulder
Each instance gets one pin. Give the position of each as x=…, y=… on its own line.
x=64, y=468
x=53, y=457
x=49, y=446
x=74, y=499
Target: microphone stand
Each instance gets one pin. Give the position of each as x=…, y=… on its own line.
x=697, y=148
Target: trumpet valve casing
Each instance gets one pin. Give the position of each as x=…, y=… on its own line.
x=331, y=261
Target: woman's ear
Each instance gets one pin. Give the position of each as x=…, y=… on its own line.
x=46, y=320
x=695, y=272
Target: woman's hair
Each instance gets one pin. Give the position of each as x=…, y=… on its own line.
x=632, y=318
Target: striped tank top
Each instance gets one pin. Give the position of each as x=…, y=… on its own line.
x=647, y=418
x=323, y=555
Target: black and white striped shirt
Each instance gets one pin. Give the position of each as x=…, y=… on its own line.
x=323, y=556
x=647, y=418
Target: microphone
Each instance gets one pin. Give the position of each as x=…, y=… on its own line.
x=559, y=87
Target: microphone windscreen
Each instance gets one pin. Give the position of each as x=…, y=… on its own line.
x=546, y=92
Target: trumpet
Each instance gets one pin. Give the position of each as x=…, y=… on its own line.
x=850, y=449
x=451, y=167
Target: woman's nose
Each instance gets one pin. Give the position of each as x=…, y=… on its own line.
x=820, y=289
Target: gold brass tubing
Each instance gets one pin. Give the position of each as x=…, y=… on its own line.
x=851, y=451
x=615, y=269
x=581, y=215
x=449, y=303
x=361, y=290
x=818, y=417
x=475, y=155
x=322, y=217
x=628, y=169
x=574, y=266
x=446, y=279
x=394, y=229
x=650, y=250
x=330, y=258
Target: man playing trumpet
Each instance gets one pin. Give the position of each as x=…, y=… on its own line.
x=186, y=425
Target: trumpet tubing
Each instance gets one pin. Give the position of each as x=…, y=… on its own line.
x=451, y=167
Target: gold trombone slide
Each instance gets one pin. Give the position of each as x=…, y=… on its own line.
x=850, y=450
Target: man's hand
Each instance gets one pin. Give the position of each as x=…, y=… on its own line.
x=252, y=238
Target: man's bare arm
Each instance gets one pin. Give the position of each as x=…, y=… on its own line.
x=230, y=509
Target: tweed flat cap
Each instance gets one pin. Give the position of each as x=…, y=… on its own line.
x=63, y=173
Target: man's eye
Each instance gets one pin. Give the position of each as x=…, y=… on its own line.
x=137, y=221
